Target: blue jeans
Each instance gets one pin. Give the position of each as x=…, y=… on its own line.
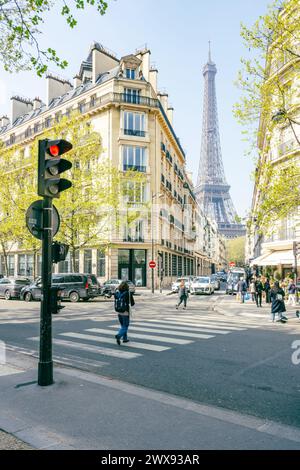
x=124, y=322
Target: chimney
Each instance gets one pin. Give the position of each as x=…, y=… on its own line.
x=56, y=87
x=19, y=107
x=153, y=78
x=77, y=81
x=170, y=114
x=4, y=121
x=145, y=57
x=102, y=61
x=37, y=103
x=163, y=97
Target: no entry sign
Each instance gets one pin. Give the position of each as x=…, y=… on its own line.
x=152, y=264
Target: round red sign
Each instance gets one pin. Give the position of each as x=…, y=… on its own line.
x=232, y=264
x=152, y=264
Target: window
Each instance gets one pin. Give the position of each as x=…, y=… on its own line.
x=130, y=73
x=11, y=265
x=93, y=101
x=64, y=266
x=87, y=257
x=134, y=158
x=22, y=265
x=132, y=95
x=48, y=122
x=134, y=124
x=100, y=263
x=135, y=232
x=135, y=192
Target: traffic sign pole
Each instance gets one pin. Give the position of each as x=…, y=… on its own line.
x=45, y=367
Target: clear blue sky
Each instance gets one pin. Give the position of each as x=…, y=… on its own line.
x=177, y=32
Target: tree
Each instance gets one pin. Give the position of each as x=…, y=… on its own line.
x=235, y=250
x=91, y=210
x=269, y=104
x=20, y=21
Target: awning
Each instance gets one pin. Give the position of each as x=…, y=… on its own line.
x=275, y=258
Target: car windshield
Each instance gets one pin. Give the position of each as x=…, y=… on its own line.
x=21, y=282
x=202, y=280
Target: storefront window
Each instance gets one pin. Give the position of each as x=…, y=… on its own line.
x=100, y=263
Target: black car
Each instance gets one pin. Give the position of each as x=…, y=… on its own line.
x=10, y=288
x=75, y=286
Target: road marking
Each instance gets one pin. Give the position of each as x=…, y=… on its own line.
x=95, y=349
x=162, y=339
x=167, y=324
x=200, y=324
x=100, y=339
x=170, y=332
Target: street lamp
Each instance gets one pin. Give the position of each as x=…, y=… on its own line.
x=153, y=196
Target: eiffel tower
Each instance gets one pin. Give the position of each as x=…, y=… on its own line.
x=212, y=189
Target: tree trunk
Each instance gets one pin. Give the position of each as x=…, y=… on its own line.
x=5, y=258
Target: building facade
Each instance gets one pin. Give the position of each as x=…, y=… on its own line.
x=279, y=146
x=135, y=121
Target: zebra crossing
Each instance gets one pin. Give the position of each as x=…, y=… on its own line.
x=151, y=334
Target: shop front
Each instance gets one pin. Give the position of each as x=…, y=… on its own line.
x=132, y=266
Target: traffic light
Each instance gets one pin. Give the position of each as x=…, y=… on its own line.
x=55, y=299
x=50, y=167
x=59, y=251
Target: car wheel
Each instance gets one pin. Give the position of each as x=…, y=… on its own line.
x=74, y=297
x=7, y=295
x=27, y=297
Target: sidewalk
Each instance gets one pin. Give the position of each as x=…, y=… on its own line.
x=86, y=411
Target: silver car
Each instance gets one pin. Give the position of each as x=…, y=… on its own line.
x=10, y=288
x=176, y=284
x=109, y=287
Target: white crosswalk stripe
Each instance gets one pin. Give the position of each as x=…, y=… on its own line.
x=171, y=332
x=101, y=339
x=168, y=324
x=162, y=339
x=96, y=349
x=202, y=324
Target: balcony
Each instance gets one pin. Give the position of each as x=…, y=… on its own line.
x=141, y=169
x=84, y=108
x=287, y=147
x=133, y=239
x=134, y=133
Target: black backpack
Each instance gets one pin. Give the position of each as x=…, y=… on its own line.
x=120, y=302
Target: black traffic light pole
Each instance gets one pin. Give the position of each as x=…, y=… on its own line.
x=45, y=370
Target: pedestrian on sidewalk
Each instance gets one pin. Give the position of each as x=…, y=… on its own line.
x=242, y=289
x=278, y=305
x=258, y=291
x=123, y=301
x=182, y=295
x=267, y=289
x=292, y=293
x=252, y=289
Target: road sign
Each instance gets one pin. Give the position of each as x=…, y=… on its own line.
x=232, y=264
x=152, y=264
x=34, y=219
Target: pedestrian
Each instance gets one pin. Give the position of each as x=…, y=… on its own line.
x=267, y=288
x=278, y=306
x=258, y=291
x=182, y=295
x=252, y=289
x=242, y=289
x=292, y=293
x=123, y=301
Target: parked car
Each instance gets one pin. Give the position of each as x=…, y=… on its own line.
x=109, y=287
x=176, y=284
x=222, y=276
x=75, y=286
x=215, y=281
x=202, y=285
x=10, y=288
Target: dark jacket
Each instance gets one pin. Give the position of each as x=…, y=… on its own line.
x=182, y=292
x=277, y=299
x=292, y=289
x=258, y=287
x=128, y=300
x=267, y=286
x=242, y=286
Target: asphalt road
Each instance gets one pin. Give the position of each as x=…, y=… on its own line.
x=241, y=363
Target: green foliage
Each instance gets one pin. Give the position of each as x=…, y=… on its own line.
x=235, y=250
x=20, y=21
x=91, y=211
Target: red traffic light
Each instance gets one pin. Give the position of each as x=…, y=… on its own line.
x=54, y=150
